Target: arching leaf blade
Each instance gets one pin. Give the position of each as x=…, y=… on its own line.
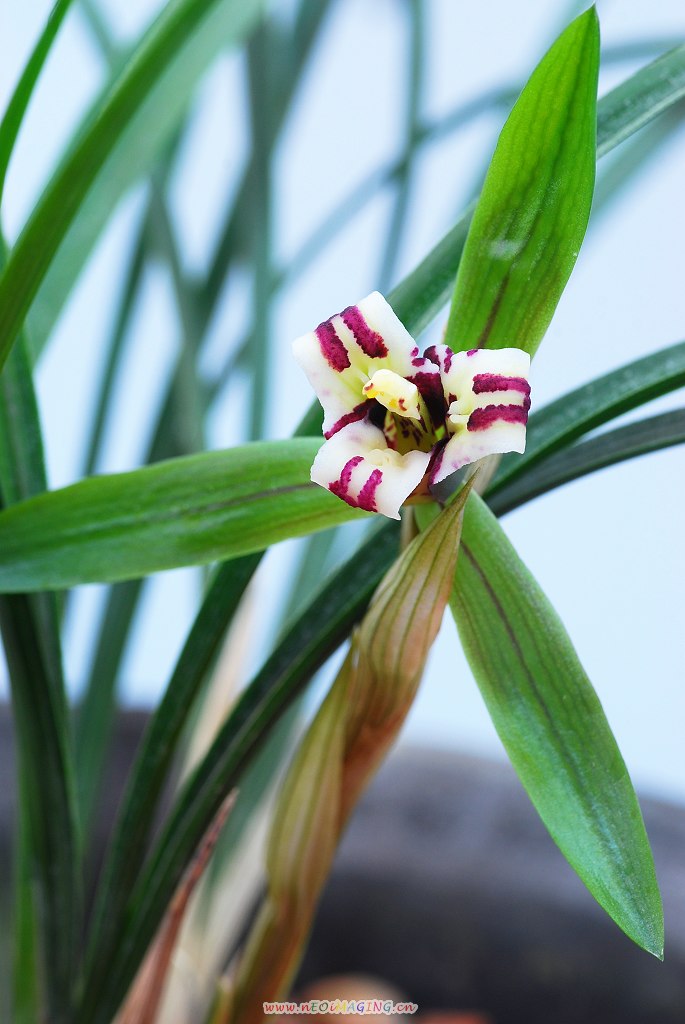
x=534, y=208
x=122, y=136
x=187, y=511
x=608, y=449
x=553, y=727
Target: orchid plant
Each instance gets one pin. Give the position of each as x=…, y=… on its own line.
x=441, y=440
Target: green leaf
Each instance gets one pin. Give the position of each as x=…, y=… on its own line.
x=650, y=435
x=22, y=469
x=47, y=789
x=640, y=99
x=21, y=97
x=27, y=997
x=151, y=768
x=416, y=63
x=534, y=208
x=96, y=712
x=305, y=646
x=565, y=420
x=262, y=52
x=632, y=160
x=553, y=727
x=121, y=139
x=234, y=235
x=187, y=511
x=46, y=913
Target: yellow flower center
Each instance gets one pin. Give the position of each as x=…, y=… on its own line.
x=395, y=393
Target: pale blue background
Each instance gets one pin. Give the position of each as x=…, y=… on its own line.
x=608, y=550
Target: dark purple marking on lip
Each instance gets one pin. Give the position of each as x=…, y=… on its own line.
x=430, y=389
x=332, y=348
x=358, y=413
x=366, y=499
x=443, y=361
x=341, y=487
x=418, y=361
x=415, y=352
x=370, y=342
x=481, y=419
x=483, y=382
x=472, y=351
x=436, y=461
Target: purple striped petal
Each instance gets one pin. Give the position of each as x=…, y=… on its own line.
x=370, y=342
x=488, y=398
x=358, y=466
x=345, y=351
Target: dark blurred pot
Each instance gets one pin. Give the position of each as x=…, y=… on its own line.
x=447, y=885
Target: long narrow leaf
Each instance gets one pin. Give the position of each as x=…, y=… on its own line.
x=47, y=786
x=640, y=99
x=650, y=435
x=120, y=140
x=46, y=930
x=27, y=997
x=534, y=208
x=232, y=238
x=158, y=747
x=178, y=430
x=95, y=715
x=21, y=97
x=553, y=727
x=623, y=111
x=261, y=53
x=416, y=67
x=187, y=511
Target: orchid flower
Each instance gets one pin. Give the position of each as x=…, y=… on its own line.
x=396, y=422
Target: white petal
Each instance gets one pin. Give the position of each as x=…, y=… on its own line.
x=464, y=367
x=346, y=350
x=357, y=465
x=338, y=390
x=468, y=446
x=488, y=398
x=401, y=347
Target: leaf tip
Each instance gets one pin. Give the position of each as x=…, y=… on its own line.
x=650, y=935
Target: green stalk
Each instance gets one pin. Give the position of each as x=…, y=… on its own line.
x=21, y=97
x=415, y=90
x=261, y=52
x=234, y=235
x=47, y=883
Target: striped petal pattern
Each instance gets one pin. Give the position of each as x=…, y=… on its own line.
x=488, y=398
